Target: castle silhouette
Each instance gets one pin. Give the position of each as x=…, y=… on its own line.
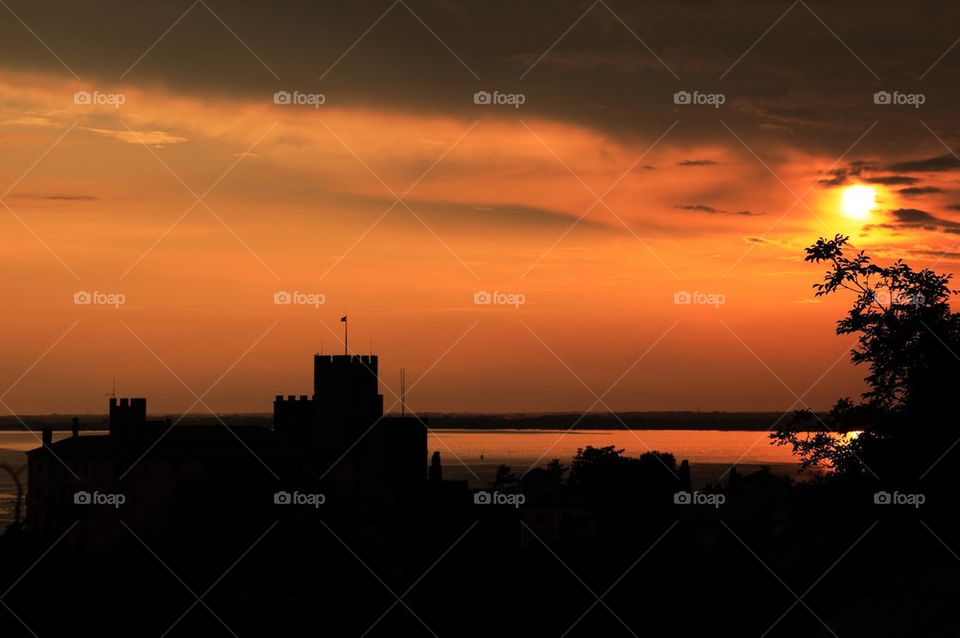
x=337, y=443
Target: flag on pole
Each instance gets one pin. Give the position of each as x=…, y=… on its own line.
x=343, y=318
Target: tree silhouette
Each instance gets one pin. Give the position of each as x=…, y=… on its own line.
x=504, y=476
x=608, y=471
x=908, y=338
x=556, y=469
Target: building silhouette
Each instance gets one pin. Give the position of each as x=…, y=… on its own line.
x=336, y=442
x=346, y=395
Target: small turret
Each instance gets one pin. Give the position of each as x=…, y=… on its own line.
x=436, y=468
x=127, y=417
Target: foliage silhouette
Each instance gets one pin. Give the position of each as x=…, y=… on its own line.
x=908, y=338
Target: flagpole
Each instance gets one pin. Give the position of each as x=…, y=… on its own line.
x=346, y=349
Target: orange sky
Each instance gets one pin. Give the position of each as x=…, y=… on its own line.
x=100, y=200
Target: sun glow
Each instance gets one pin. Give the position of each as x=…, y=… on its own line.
x=858, y=201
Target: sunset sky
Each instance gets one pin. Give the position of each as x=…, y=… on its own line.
x=595, y=201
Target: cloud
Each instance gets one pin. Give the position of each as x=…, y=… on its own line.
x=916, y=218
x=57, y=197
x=29, y=120
x=700, y=208
x=942, y=254
x=861, y=170
x=912, y=215
x=500, y=214
x=151, y=138
x=698, y=162
x=937, y=164
x=703, y=208
x=760, y=241
x=838, y=177
x=892, y=180
x=920, y=190
x=623, y=87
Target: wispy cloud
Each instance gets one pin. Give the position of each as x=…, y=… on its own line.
x=710, y=210
x=152, y=138
x=58, y=197
x=936, y=164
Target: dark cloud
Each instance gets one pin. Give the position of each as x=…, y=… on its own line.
x=865, y=171
x=920, y=190
x=916, y=218
x=574, y=61
x=892, y=180
x=838, y=177
x=912, y=215
x=703, y=208
x=762, y=241
x=699, y=162
x=937, y=164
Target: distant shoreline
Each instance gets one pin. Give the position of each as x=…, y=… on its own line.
x=678, y=420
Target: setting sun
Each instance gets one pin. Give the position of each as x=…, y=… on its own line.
x=857, y=201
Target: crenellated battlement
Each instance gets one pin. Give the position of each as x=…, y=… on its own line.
x=346, y=394
x=127, y=414
x=345, y=359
